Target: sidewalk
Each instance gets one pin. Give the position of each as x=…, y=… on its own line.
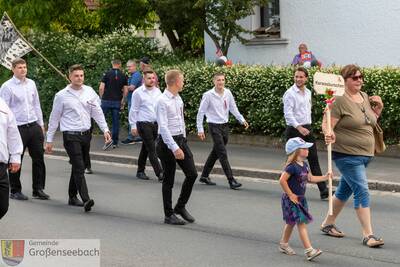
x=250, y=161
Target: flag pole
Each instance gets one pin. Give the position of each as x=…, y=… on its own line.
x=36, y=51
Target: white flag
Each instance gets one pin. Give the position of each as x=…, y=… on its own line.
x=12, y=46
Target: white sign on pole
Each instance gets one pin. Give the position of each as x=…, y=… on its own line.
x=328, y=81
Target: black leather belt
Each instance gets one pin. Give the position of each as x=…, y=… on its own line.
x=28, y=125
x=77, y=133
x=147, y=122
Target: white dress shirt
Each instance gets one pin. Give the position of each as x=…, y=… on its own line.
x=23, y=99
x=10, y=140
x=216, y=108
x=73, y=109
x=297, y=106
x=143, y=105
x=170, y=118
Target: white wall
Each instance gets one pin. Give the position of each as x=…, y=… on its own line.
x=365, y=32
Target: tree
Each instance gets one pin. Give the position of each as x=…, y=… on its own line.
x=118, y=14
x=64, y=15
x=222, y=18
x=181, y=21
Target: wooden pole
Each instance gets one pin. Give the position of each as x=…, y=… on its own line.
x=36, y=51
x=329, y=130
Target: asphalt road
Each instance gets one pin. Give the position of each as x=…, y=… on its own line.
x=232, y=228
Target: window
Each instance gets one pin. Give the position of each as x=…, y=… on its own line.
x=269, y=20
x=270, y=14
x=269, y=32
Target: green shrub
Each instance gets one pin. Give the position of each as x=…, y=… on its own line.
x=258, y=89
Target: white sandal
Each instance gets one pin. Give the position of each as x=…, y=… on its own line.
x=313, y=253
x=286, y=249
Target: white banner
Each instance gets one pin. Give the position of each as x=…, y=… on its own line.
x=12, y=46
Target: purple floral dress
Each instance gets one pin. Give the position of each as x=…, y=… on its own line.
x=296, y=213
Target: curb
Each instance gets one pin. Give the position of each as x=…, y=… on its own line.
x=239, y=171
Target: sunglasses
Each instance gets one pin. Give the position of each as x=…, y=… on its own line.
x=358, y=77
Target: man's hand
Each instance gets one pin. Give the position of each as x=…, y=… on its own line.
x=303, y=131
x=246, y=125
x=134, y=132
x=179, y=154
x=107, y=137
x=43, y=130
x=49, y=148
x=14, y=167
x=202, y=136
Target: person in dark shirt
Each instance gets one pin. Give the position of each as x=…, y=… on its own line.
x=113, y=91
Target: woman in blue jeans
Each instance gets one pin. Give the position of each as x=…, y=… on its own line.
x=353, y=116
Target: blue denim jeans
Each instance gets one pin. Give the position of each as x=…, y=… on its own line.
x=115, y=108
x=353, y=180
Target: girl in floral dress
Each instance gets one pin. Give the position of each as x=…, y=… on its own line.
x=294, y=204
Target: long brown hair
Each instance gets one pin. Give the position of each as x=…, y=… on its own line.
x=292, y=157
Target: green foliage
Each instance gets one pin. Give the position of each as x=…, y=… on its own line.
x=59, y=15
x=94, y=53
x=222, y=19
x=258, y=89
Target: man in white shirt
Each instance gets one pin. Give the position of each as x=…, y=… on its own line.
x=172, y=148
x=21, y=95
x=216, y=105
x=11, y=148
x=297, y=111
x=73, y=107
x=143, y=122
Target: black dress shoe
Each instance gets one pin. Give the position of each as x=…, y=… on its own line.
x=142, y=175
x=173, y=220
x=88, y=171
x=234, y=184
x=206, y=180
x=18, y=196
x=88, y=205
x=74, y=201
x=40, y=194
x=185, y=214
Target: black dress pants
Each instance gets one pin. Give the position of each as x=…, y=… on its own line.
x=33, y=139
x=219, y=134
x=4, y=190
x=169, y=163
x=148, y=131
x=77, y=146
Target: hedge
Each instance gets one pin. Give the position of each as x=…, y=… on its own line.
x=258, y=89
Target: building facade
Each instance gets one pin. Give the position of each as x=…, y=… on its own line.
x=365, y=32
